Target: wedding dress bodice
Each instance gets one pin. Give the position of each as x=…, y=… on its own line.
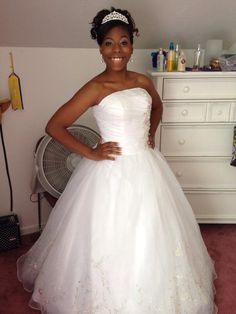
x=124, y=117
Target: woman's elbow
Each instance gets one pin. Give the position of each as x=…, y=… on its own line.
x=50, y=128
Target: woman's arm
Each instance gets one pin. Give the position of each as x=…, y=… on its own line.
x=156, y=114
x=156, y=111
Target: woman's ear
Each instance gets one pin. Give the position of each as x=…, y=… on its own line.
x=100, y=50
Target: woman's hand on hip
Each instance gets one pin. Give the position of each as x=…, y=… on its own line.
x=105, y=151
x=151, y=141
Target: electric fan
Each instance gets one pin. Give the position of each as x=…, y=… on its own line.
x=54, y=164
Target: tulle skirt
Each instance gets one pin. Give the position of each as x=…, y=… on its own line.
x=122, y=239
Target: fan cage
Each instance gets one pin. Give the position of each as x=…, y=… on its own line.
x=55, y=163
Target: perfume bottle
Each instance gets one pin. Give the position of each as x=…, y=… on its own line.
x=181, y=62
x=197, y=58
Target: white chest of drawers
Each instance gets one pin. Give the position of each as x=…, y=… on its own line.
x=196, y=137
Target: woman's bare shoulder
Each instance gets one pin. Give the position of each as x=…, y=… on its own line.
x=90, y=92
x=141, y=79
x=94, y=86
x=145, y=82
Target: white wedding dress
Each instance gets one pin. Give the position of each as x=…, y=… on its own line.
x=122, y=238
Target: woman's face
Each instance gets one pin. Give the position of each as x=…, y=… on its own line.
x=116, y=49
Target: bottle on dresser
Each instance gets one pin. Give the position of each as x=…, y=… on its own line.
x=176, y=57
x=160, y=60
x=181, y=62
x=171, y=58
x=197, y=58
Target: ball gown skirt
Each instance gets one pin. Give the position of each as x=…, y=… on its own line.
x=122, y=238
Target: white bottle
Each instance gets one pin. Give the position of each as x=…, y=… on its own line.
x=160, y=61
x=181, y=62
x=176, y=57
x=197, y=58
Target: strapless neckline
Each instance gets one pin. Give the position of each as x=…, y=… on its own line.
x=124, y=117
x=121, y=91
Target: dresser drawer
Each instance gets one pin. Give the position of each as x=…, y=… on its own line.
x=184, y=112
x=199, y=88
x=203, y=172
x=213, y=207
x=218, y=112
x=197, y=140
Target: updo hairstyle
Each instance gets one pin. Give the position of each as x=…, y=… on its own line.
x=99, y=30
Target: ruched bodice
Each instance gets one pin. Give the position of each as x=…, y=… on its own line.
x=124, y=117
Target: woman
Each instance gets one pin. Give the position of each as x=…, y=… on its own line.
x=122, y=237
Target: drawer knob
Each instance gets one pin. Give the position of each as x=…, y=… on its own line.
x=219, y=112
x=184, y=112
x=181, y=142
x=186, y=89
x=178, y=174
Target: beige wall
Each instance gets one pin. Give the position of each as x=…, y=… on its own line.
x=61, y=23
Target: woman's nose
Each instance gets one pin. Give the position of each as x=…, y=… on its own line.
x=116, y=47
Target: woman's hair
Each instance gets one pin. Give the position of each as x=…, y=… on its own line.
x=101, y=27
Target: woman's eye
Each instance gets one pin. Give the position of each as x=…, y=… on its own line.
x=108, y=43
x=124, y=43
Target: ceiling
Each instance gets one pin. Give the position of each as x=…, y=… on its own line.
x=61, y=23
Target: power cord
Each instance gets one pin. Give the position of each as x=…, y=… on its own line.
x=7, y=168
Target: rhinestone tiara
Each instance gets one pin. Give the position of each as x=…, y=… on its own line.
x=115, y=16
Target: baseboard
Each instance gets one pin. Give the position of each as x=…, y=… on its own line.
x=31, y=229
x=216, y=219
